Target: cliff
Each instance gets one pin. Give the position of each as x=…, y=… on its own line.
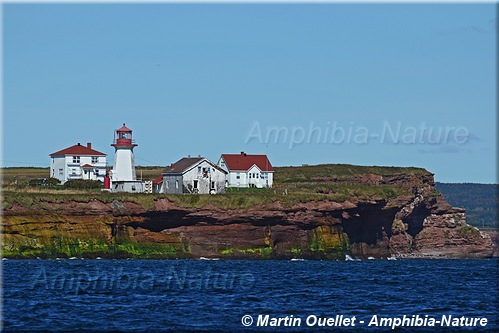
x=317, y=212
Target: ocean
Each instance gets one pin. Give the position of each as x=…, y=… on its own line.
x=227, y=296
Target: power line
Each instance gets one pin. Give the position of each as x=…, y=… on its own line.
x=25, y=163
x=154, y=163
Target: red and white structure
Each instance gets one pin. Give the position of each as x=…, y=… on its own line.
x=122, y=176
x=78, y=162
x=245, y=170
x=124, y=160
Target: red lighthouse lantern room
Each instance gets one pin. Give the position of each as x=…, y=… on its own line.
x=123, y=137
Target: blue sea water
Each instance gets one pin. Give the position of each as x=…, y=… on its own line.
x=198, y=295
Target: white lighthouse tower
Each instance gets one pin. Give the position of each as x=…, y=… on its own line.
x=123, y=177
x=124, y=164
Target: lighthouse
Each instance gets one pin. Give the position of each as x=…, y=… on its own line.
x=124, y=164
x=122, y=176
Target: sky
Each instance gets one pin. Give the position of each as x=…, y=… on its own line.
x=365, y=84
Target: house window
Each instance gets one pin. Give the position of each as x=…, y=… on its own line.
x=95, y=159
x=76, y=159
x=238, y=176
x=176, y=184
x=60, y=172
x=97, y=172
x=212, y=185
x=199, y=169
x=195, y=184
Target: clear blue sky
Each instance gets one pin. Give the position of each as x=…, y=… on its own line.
x=211, y=79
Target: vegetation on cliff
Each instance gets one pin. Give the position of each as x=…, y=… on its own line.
x=292, y=185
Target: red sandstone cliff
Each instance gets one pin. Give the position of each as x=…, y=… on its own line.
x=418, y=224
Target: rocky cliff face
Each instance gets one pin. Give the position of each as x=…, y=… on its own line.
x=418, y=224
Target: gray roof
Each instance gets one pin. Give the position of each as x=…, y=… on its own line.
x=186, y=163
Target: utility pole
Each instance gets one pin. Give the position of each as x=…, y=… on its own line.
x=267, y=164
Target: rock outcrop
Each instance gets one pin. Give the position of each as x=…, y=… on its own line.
x=418, y=224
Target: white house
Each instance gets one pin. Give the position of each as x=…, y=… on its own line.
x=244, y=170
x=78, y=162
x=193, y=175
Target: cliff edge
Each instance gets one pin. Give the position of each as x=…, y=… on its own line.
x=313, y=212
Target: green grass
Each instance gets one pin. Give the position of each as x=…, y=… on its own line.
x=20, y=176
x=60, y=247
x=264, y=252
x=341, y=171
x=150, y=251
x=339, y=193
x=468, y=231
x=333, y=182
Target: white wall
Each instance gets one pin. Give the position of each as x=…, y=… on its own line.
x=124, y=165
x=257, y=178
x=64, y=169
x=237, y=179
x=137, y=186
x=245, y=178
x=204, y=179
x=58, y=168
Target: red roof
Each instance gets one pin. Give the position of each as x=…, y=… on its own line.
x=243, y=162
x=123, y=129
x=78, y=150
x=158, y=180
x=87, y=166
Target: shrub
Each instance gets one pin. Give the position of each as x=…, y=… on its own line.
x=468, y=231
x=44, y=182
x=83, y=184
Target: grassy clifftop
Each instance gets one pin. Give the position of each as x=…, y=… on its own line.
x=312, y=173
x=334, y=182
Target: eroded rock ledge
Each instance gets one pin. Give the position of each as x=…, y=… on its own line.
x=416, y=225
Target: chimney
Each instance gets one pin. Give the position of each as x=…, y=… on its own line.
x=242, y=153
x=79, y=144
x=89, y=145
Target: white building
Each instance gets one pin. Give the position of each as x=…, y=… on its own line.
x=244, y=170
x=193, y=175
x=78, y=162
